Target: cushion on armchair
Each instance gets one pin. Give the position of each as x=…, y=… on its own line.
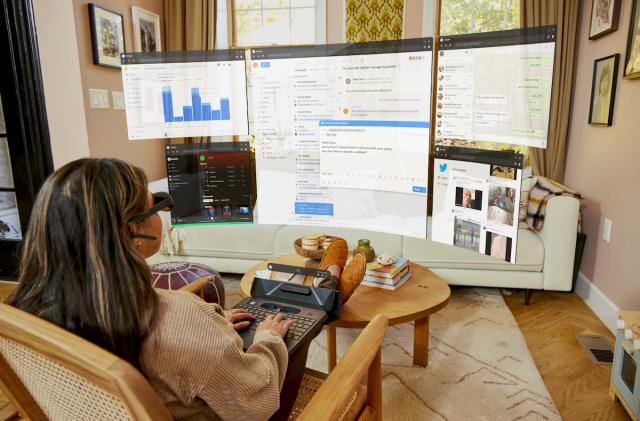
x=175, y=275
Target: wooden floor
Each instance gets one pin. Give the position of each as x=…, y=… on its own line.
x=549, y=324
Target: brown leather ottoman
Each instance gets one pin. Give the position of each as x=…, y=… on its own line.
x=175, y=275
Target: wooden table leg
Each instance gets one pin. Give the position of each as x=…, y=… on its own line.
x=331, y=347
x=421, y=342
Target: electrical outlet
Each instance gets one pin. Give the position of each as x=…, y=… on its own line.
x=606, y=230
x=99, y=98
x=118, y=100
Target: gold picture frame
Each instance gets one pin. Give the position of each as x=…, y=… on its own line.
x=632, y=56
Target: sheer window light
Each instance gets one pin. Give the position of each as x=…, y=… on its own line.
x=278, y=22
x=471, y=16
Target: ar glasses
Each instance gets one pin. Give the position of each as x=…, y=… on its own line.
x=161, y=202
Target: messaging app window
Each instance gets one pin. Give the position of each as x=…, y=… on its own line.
x=496, y=86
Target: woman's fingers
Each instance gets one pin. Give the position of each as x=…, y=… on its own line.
x=236, y=316
x=241, y=325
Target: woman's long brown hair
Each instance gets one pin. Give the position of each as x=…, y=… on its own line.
x=79, y=267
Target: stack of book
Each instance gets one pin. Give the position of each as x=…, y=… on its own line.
x=387, y=276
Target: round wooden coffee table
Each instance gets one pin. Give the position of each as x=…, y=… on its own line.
x=422, y=295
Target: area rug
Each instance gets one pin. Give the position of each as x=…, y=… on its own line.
x=479, y=365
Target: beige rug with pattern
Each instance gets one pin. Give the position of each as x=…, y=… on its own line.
x=479, y=365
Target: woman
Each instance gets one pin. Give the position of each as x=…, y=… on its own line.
x=83, y=268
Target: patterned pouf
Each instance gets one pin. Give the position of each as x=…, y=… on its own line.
x=175, y=275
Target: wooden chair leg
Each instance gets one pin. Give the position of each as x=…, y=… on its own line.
x=374, y=385
x=331, y=347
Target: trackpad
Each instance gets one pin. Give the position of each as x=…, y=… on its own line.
x=281, y=308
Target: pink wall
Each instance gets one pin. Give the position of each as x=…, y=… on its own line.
x=602, y=164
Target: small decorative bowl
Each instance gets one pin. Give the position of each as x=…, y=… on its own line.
x=310, y=254
x=386, y=259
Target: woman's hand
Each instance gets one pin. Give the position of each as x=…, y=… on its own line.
x=241, y=319
x=277, y=323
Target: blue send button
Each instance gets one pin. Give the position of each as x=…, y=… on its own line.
x=265, y=64
x=419, y=189
x=306, y=208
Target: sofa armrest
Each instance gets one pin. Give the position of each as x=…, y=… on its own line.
x=559, y=234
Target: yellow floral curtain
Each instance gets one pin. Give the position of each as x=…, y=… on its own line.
x=373, y=20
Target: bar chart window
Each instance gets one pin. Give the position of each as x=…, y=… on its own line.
x=185, y=94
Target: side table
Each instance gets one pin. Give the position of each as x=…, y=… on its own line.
x=422, y=295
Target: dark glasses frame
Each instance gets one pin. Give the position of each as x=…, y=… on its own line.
x=162, y=201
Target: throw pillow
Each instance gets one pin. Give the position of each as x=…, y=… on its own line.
x=527, y=185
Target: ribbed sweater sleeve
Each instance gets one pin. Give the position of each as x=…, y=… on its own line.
x=194, y=359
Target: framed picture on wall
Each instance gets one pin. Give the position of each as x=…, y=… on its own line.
x=632, y=58
x=603, y=90
x=605, y=16
x=146, y=30
x=107, y=36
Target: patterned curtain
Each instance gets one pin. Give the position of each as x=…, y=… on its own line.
x=373, y=20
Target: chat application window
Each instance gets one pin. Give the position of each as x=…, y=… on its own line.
x=496, y=86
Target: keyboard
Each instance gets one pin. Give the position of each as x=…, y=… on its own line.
x=307, y=322
x=299, y=326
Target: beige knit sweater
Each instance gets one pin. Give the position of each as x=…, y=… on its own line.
x=194, y=360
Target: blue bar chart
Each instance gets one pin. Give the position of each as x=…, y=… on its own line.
x=165, y=100
x=197, y=110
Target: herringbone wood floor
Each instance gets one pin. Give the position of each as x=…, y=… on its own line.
x=549, y=324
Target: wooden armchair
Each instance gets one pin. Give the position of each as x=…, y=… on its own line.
x=50, y=373
x=342, y=396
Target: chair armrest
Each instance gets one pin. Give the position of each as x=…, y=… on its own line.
x=559, y=234
x=197, y=287
x=362, y=358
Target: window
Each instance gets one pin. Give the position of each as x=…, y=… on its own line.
x=278, y=22
x=469, y=16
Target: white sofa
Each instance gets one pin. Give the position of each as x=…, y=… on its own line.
x=544, y=260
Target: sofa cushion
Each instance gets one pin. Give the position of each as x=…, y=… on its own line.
x=529, y=256
x=382, y=243
x=237, y=241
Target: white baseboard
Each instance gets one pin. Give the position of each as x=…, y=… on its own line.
x=601, y=305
